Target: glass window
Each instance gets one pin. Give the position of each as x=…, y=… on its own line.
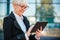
x=49, y=10
x=3, y=0
x=3, y=11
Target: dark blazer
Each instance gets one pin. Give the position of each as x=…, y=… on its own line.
x=12, y=30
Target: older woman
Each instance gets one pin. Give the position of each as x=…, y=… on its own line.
x=16, y=26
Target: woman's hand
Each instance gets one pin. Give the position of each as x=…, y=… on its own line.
x=38, y=32
x=29, y=30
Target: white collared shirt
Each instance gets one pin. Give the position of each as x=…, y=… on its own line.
x=21, y=24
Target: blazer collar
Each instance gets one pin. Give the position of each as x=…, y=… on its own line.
x=15, y=21
x=12, y=15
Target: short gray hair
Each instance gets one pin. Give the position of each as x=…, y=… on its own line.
x=19, y=2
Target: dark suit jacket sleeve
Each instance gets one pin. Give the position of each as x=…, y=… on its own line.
x=32, y=37
x=8, y=30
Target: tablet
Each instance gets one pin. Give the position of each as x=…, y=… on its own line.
x=38, y=25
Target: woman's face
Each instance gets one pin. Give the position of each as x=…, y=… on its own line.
x=19, y=9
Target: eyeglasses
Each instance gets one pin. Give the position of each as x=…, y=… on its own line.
x=23, y=6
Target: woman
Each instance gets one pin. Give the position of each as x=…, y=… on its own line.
x=16, y=26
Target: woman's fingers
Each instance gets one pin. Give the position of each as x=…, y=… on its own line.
x=39, y=31
x=30, y=28
x=41, y=28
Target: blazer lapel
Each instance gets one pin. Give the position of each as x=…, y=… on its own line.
x=16, y=24
x=26, y=23
x=14, y=19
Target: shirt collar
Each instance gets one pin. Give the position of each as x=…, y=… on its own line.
x=18, y=15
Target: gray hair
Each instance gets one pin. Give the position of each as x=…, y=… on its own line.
x=19, y=2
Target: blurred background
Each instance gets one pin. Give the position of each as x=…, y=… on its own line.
x=39, y=10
